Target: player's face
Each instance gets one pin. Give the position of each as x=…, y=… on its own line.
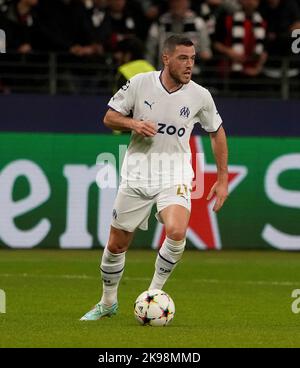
x=180, y=63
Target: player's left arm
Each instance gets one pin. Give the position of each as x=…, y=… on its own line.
x=220, y=150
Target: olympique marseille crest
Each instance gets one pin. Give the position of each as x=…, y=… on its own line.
x=203, y=230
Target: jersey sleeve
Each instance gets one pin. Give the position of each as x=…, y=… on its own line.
x=123, y=100
x=209, y=117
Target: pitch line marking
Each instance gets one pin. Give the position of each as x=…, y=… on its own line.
x=208, y=281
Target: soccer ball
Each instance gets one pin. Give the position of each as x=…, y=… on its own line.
x=154, y=308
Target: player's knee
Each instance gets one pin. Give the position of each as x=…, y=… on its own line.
x=175, y=233
x=117, y=248
x=119, y=241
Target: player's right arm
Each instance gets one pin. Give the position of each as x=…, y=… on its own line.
x=116, y=121
x=122, y=104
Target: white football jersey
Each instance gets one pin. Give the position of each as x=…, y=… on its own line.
x=164, y=159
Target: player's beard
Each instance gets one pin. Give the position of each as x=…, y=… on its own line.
x=178, y=79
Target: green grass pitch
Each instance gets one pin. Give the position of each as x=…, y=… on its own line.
x=223, y=299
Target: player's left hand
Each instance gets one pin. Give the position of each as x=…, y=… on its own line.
x=221, y=192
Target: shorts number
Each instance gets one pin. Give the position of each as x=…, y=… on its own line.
x=182, y=190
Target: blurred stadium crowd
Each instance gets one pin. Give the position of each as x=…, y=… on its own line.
x=236, y=40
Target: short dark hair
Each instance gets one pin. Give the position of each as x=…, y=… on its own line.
x=176, y=40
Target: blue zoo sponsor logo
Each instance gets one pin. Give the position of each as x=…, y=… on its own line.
x=170, y=129
x=2, y=42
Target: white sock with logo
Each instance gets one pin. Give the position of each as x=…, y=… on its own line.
x=167, y=258
x=112, y=268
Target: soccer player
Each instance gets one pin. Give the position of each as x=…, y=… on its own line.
x=164, y=107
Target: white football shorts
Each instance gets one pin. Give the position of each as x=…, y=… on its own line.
x=133, y=206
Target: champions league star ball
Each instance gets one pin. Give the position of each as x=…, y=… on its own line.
x=154, y=308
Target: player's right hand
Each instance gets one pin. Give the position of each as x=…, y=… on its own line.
x=144, y=128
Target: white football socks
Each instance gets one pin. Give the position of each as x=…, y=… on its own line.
x=112, y=267
x=168, y=256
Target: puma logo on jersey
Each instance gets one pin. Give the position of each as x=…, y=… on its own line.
x=149, y=104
